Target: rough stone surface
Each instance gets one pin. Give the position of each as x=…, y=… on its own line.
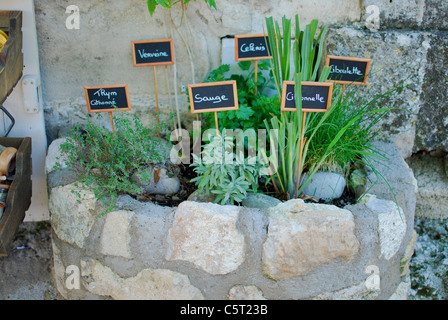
x=245, y=293
x=406, y=259
x=148, y=284
x=356, y=292
x=72, y=221
x=415, y=14
x=402, y=292
x=432, y=196
x=301, y=237
x=325, y=185
x=431, y=126
x=392, y=52
x=206, y=235
x=391, y=225
x=115, y=238
x=260, y=200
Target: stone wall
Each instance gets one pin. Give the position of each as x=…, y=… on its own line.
x=201, y=250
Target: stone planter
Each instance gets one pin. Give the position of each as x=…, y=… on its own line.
x=200, y=250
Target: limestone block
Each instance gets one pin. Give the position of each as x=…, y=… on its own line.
x=406, y=259
x=432, y=196
x=115, y=236
x=72, y=221
x=148, y=284
x=303, y=236
x=206, y=235
x=391, y=52
x=397, y=13
x=245, y=293
x=391, y=225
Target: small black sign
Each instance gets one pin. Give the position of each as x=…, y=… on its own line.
x=152, y=52
x=348, y=70
x=106, y=98
x=252, y=47
x=316, y=96
x=213, y=96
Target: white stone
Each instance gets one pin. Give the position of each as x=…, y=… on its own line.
x=72, y=221
x=206, y=235
x=325, y=185
x=148, y=284
x=245, y=293
x=55, y=156
x=391, y=225
x=115, y=237
x=303, y=236
x=164, y=185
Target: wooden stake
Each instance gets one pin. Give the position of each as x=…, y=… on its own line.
x=112, y=121
x=343, y=89
x=301, y=151
x=216, y=123
x=157, y=100
x=256, y=76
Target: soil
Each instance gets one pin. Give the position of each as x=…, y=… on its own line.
x=186, y=173
x=26, y=273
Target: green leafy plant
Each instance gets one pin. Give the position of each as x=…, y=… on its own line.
x=223, y=172
x=152, y=4
x=254, y=106
x=105, y=162
x=292, y=126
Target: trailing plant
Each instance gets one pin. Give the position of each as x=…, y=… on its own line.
x=253, y=105
x=105, y=162
x=223, y=172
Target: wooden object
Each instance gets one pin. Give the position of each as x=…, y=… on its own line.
x=152, y=52
x=11, y=56
x=252, y=47
x=348, y=70
x=107, y=98
x=316, y=96
x=213, y=97
x=19, y=193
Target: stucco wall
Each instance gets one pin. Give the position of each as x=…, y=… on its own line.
x=409, y=43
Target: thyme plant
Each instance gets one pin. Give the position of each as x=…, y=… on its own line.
x=105, y=162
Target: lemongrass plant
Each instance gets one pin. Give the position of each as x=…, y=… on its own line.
x=291, y=127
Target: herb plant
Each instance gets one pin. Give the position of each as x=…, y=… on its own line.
x=254, y=106
x=105, y=162
x=225, y=173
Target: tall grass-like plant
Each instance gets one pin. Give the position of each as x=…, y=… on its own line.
x=292, y=126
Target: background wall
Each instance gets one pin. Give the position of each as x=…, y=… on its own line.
x=410, y=44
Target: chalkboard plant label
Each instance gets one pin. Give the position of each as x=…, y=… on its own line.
x=316, y=96
x=252, y=47
x=152, y=52
x=348, y=70
x=213, y=96
x=106, y=98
